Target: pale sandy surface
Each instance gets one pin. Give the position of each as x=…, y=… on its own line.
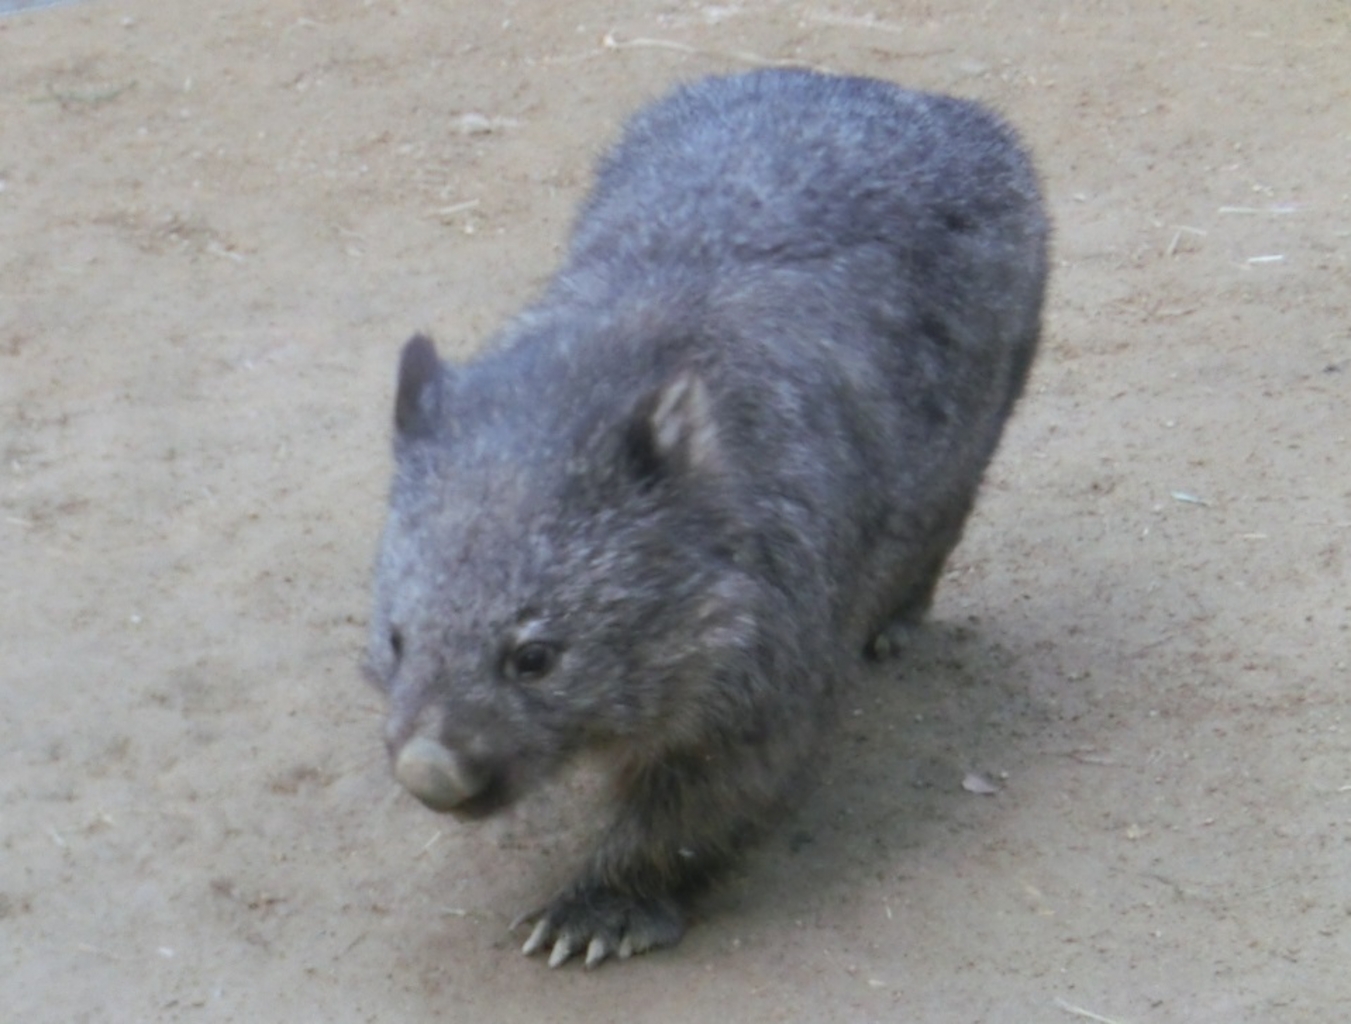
x=217, y=224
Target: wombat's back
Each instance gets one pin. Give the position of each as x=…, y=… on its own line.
x=783, y=166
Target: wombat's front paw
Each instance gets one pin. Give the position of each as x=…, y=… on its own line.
x=604, y=923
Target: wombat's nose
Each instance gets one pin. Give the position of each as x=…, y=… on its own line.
x=435, y=775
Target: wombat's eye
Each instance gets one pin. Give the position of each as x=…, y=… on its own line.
x=531, y=660
x=396, y=643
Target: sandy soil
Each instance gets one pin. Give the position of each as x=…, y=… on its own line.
x=218, y=223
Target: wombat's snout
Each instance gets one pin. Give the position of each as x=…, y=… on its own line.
x=440, y=778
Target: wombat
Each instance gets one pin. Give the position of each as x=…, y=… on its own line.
x=723, y=456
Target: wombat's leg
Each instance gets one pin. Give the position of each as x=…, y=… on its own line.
x=915, y=595
x=893, y=635
x=678, y=824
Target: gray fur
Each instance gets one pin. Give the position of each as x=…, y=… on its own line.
x=725, y=454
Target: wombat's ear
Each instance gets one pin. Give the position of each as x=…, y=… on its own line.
x=674, y=429
x=417, y=407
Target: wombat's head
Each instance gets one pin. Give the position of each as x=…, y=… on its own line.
x=557, y=572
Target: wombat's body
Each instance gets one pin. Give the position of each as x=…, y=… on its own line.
x=727, y=452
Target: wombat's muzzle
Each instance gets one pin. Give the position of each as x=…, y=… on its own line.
x=447, y=781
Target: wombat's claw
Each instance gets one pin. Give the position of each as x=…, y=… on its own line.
x=605, y=924
x=566, y=944
x=563, y=945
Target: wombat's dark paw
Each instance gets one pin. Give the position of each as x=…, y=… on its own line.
x=602, y=922
x=892, y=640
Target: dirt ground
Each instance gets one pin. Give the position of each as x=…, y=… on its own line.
x=218, y=222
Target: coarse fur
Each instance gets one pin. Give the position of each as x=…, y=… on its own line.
x=725, y=454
